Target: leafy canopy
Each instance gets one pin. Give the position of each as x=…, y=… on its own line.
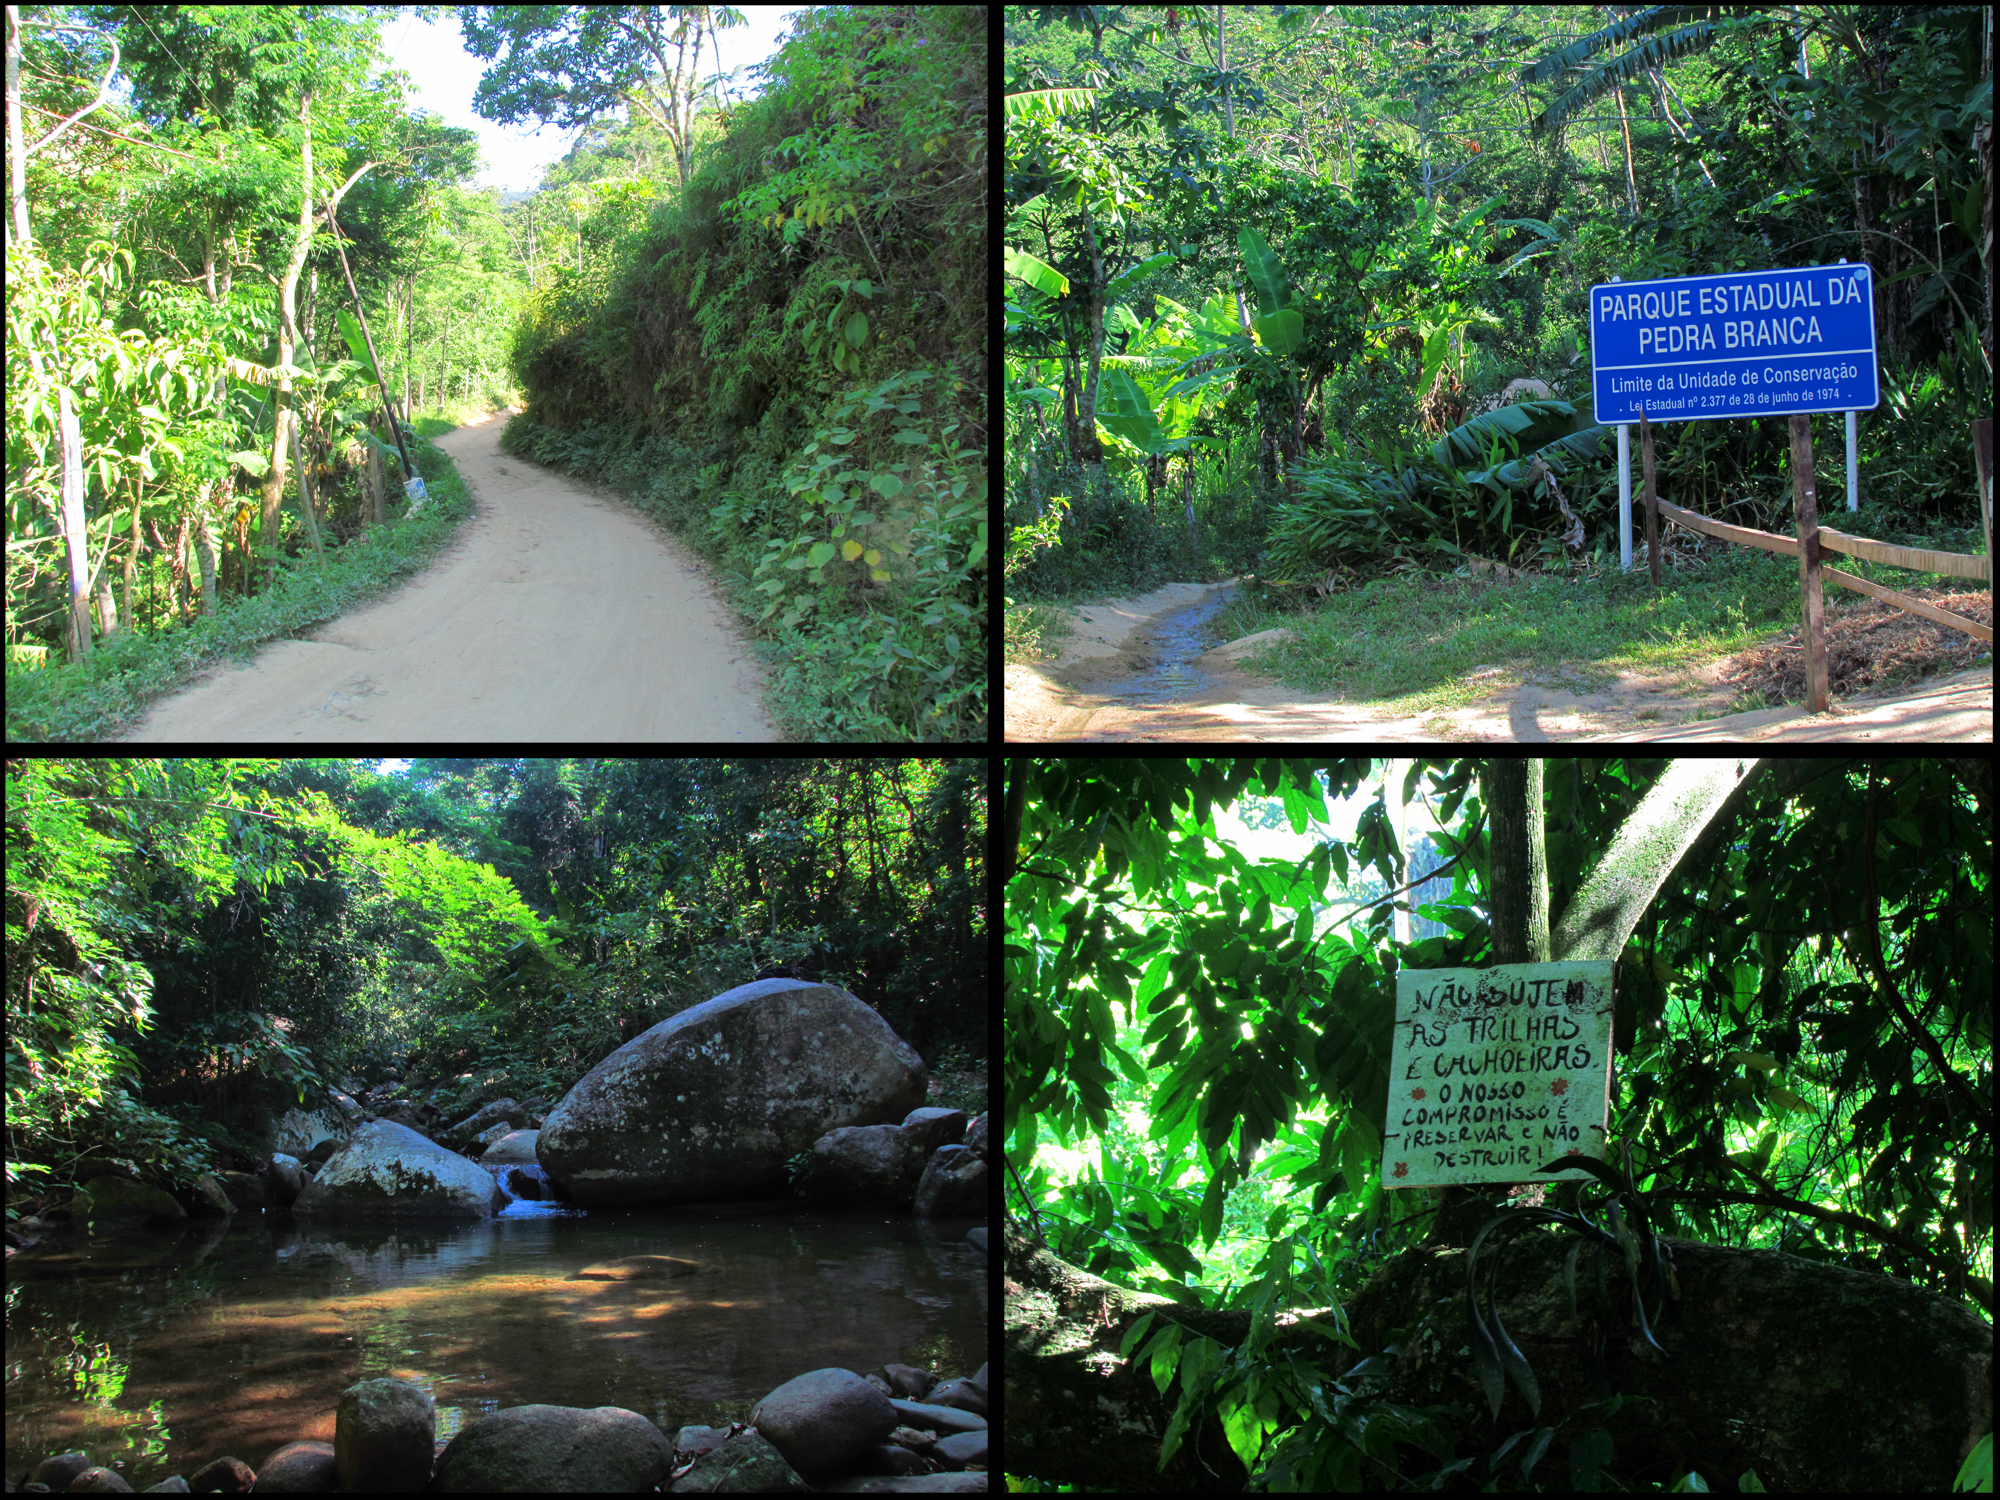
x=1804, y=1027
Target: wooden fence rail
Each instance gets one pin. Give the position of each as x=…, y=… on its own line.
x=1812, y=538
x=1957, y=564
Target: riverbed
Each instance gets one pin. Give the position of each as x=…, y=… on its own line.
x=161, y=1351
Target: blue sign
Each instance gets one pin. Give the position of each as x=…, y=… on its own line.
x=1753, y=344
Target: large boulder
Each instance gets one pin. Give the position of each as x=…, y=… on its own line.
x=389, y=1171
x=108, y=1204
x=713, y=1102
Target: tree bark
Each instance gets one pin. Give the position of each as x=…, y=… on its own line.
x=1518, y=887
x=1517, y=902
x=1815, y=1376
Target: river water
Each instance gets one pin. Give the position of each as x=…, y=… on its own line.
x=161, y=1351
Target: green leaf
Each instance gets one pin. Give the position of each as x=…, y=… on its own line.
x=1281, y=332
x=1267, y=277
x=358, y=346
x=1124, y=411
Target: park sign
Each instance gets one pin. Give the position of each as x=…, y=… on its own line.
x=1495, y=1072
x=1751, y=344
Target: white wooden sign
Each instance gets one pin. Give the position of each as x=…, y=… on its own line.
x=1496, y=1072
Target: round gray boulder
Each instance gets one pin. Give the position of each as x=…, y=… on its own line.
x=711, y=1103
x=389, y=1171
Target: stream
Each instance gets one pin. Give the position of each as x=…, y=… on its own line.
x=163, y=1350
x=1163, y=656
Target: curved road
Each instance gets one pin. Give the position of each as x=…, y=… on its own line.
x=557, y=614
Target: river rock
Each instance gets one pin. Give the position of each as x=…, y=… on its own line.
x=109, y=1204
x=823, y=1420
x=514, y=1149
x=636, y=1268
x=954, y=1185
x=537, y=1449
x=383, y=1434
x=711, y=1103
x=389, y=1171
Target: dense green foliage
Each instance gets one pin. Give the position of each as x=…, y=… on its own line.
x=195, y=944
x=1260, y=259
x=1197, y=1064
x=741, y=314
x=162, y=287
x=786, y=360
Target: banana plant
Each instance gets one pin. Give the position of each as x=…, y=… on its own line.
x=1149, y=396
x=1131, y=411
x=1280, y=327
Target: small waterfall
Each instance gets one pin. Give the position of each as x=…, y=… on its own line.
x=524, y=1182
x=529, y=1192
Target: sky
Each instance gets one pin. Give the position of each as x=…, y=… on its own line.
x=1343, y=814
x=443, y=76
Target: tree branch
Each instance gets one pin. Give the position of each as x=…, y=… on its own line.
x=1767, y=1198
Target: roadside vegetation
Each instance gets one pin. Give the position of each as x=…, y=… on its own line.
x=762, y=319
x=1415, y=638
x=110, y=689
x=1319, y=323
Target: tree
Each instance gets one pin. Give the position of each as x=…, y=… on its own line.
x=76, y=544
x=571, y=64
x=203, y=177
x=1712, y=891
x=190, y=940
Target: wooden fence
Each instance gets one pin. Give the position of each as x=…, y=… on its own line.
x=1810, y=542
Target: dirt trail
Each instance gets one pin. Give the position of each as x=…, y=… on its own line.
x=1108, y=683
x=557, y=614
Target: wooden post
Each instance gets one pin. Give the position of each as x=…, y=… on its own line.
x=1982, y=459
x=1652, y=497
x=1805, y=499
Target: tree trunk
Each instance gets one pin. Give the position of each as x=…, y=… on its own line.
x=1519, y=890
x=1815, y=1376
x=1517, y=893
x=272, y=491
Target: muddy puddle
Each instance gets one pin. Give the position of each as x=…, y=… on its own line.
x=1160, y=661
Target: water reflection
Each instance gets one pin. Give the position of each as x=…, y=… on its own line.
x=167, y=1350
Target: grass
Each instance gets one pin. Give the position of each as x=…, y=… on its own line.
x=1417, y=639
x=108, y=692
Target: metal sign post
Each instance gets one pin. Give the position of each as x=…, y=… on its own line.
x=1496, y=1072
x=1749, y=344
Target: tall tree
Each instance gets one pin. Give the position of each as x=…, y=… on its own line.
x=254, y=73
x=570, y=64
x=21, y=240
x=1648, y=846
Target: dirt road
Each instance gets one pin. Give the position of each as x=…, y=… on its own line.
x=1107, y=683
x=558, y=614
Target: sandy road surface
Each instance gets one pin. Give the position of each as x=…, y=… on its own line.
x=1074, y=695
x=557, y=614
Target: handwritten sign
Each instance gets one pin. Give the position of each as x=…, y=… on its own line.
x=1495, y=1072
